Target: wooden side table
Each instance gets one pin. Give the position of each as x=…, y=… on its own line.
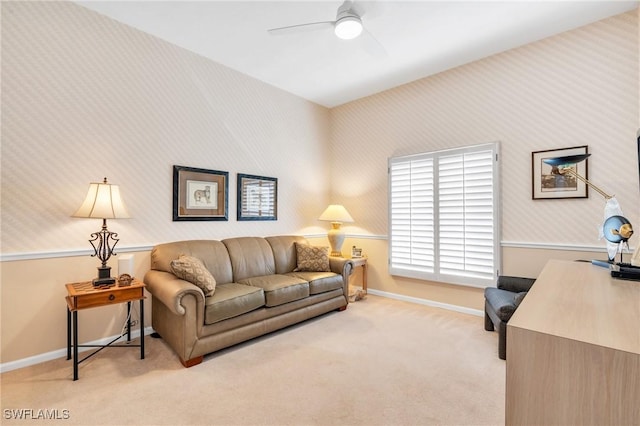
x=83, y=295
x=361, y=262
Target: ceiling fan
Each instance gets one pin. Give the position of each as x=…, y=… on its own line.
x=347, y=25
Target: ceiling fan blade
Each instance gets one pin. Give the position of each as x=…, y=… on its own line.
x=371, y=45
x=312, y=26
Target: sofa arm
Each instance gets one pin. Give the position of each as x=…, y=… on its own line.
x=344, y=267
x=515, y=284
x=170, y=290
x=341, y=266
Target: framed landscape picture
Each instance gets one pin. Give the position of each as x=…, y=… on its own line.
x=257, y=197
x=200, y=194
x=552, y=182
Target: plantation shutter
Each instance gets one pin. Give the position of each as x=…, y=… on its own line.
x=443, y=215
x=412, y=214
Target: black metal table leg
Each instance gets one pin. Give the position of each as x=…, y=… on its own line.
x=141, y=328
x=128, y=321
x=75, y=345
x=68, y=334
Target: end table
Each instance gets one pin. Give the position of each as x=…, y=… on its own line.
x=361, y=262
x=83, y=295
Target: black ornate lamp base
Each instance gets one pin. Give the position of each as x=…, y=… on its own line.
x=104, y=277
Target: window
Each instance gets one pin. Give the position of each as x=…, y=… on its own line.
x=444, y=217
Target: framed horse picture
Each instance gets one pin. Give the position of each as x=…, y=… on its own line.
x=200, y=194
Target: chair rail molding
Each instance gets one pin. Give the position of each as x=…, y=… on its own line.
x=12, y=257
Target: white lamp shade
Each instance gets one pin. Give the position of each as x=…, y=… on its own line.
x=103, y=202
x=336, y=213
x=348, y=27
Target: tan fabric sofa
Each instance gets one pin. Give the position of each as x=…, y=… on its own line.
x=257, y=292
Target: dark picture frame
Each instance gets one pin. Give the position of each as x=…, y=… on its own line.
x=548, y=183
x=200, y=194
x=257, y=197
x=638, y=136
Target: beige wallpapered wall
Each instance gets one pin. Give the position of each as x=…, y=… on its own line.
x=576, y=88
x=84, y=97
x=77, y=87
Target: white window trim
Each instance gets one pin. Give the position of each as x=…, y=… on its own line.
x=436, y=275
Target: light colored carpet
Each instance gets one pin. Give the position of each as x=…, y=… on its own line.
x=380, y=362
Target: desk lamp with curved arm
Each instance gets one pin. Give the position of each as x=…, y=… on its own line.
x=562, y=164
x=616, y=229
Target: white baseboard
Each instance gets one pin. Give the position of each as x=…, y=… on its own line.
x=59, y=353
x=427, y=302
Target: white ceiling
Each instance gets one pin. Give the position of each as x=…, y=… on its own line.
x=404, y=40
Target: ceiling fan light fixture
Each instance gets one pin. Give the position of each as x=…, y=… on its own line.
x=348, y=27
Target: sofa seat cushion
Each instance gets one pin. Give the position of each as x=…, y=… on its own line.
x=279, y=289
x=502, y=302
x=319, y=282
x=231, y=300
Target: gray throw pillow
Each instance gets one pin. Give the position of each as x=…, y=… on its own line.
x=192, y=269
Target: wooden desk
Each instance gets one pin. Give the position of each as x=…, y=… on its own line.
x=83, y=295
x=573, y=349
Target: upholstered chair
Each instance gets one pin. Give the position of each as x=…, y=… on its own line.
x=500, y=303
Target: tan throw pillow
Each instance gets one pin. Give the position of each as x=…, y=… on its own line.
x=312, y=258
x=192, y=269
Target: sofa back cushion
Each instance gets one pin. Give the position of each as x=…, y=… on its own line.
x=284, y=251
x=212, y=253
x=250, y=257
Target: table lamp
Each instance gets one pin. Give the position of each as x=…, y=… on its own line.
x=103, y=202
x=336, y=214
